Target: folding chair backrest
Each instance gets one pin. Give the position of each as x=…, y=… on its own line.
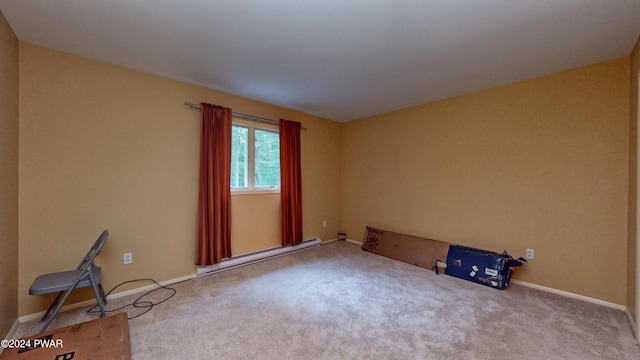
x=94, y=251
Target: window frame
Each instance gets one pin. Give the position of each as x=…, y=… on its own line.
x=251, y=155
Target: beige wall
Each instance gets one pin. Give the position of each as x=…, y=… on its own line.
x=541, y=164
x=632, y=245
x=106, y=147
x=8, y=177
x=255, y=223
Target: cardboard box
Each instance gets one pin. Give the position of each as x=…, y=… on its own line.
x=100, y=339
x=483, y=267
x=413, y=250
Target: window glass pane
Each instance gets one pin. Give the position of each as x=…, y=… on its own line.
x=267, y=161
x=239, y=160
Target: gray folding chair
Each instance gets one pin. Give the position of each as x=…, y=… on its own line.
x=86, y=274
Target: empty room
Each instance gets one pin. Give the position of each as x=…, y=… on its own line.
x=232, y=162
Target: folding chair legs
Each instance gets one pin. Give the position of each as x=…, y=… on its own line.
x=57, y=307
x=100, y=298
x=98, y=291
x=53, y=304
x=104, y=297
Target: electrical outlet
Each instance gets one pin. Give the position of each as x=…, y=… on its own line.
x=128, y=258
x=529, y=254
x=324, y=223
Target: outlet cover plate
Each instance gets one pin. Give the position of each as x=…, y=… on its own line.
x=529, y=254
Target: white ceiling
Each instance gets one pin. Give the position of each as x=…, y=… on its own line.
x=338, y=59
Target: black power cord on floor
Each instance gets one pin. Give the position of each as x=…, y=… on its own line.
x=139, y=302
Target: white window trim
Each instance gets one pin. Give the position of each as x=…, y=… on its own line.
x=260, y=191
x=252, y=190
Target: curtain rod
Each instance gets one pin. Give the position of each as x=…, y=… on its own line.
x=239, y=115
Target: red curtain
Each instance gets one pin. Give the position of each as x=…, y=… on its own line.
x=290, y=182
x=214, y=199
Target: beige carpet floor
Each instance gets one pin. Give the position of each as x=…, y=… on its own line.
x=336, y=301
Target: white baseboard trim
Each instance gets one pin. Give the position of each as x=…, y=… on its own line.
x=571, y=295
x=148, y=287
x=632, y=323
x=73, y=306
x=11, y=332
x=256, y=256
x=347, y=240
x=90, y=302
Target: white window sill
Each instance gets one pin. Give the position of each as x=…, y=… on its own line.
x=255, y=192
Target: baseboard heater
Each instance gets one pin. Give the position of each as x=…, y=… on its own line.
x=256, y=256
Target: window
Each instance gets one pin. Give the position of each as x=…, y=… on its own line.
x=255, y=158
